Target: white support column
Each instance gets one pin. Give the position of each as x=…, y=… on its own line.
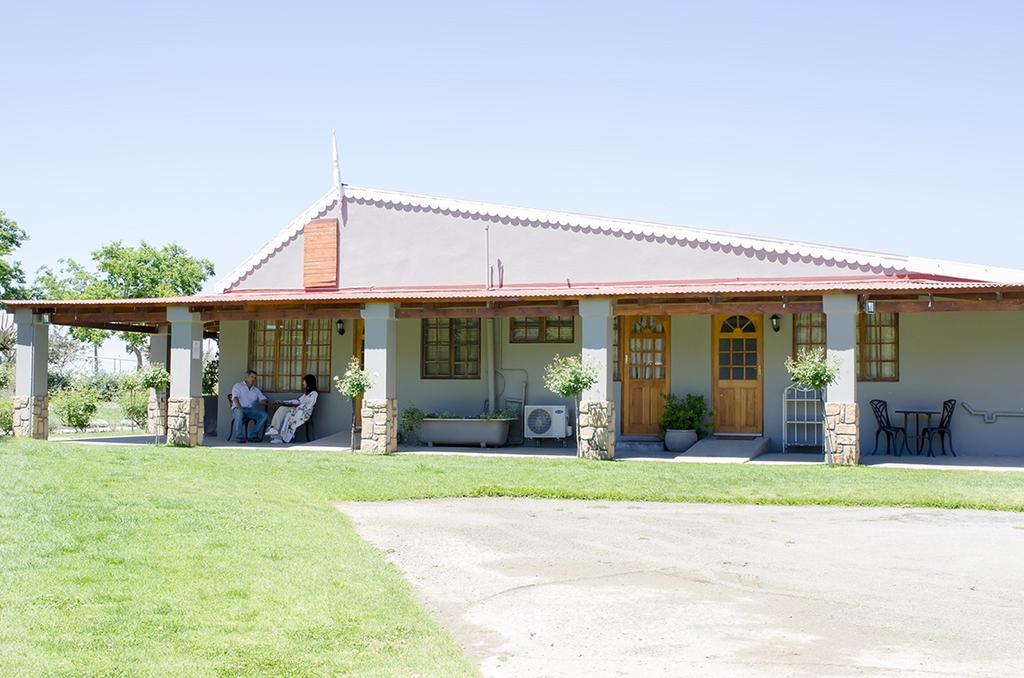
x=185, y=401
x=159, y=354
x=380, y=359
x=842, y=421
x=597, y=409
x=31, y=402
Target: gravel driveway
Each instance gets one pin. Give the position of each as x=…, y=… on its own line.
x=546, y=588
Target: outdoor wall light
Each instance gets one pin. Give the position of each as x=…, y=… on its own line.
x=340, y=325
x=45, y=317
x=869, y=307
x=776, y=322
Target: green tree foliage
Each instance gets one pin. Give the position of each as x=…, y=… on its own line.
x=12, y=278
x=125, y=272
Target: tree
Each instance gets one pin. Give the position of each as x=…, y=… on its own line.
x=12, y=278
x=125, y=272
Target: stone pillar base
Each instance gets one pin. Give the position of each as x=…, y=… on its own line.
x=380, y=426
x=597, y=429
x=156, y=415
x=842, y=426
x=32, y=417
x=185, y=421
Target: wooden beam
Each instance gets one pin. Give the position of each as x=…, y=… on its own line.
x=79, y=318
x=116, y=327
x=272, y=313
x=720, y=308
x=484, y=312
x=947, y=305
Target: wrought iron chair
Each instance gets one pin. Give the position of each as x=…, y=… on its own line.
x=943, y=430
x=892, y=433
x=245, y=427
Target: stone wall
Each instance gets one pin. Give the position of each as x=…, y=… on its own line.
x=156, y=415
x=185, y=421
x=380, y=426
x=842, y=428
x=32, y=417
x=597, y=429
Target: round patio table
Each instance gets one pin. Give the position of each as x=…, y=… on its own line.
x=918, y=443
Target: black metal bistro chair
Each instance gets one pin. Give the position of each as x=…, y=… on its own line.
x=892, y=433
x=245, y=427
x=943, y=430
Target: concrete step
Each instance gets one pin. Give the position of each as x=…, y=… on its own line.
x=639, y=445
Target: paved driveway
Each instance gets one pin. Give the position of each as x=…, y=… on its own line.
x=535, y=587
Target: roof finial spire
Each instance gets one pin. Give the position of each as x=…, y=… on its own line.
x=336, y=166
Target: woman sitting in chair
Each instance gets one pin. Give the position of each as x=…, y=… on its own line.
x=293, y=413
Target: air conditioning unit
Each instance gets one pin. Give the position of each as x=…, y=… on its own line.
x=546, y=421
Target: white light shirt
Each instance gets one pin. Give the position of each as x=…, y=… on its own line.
x=247, y=397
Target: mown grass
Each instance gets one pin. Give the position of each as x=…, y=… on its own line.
x=146, y=560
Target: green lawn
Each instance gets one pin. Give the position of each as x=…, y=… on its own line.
x=145, y=561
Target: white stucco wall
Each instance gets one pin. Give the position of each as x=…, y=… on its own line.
x=427, y=248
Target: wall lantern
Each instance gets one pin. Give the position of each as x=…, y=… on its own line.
x=776, y=322
x=869, y=307
x=340, y=325
x=45, y=317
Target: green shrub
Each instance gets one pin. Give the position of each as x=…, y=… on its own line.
x=409, y=424
x=7, y=376
x=75, y=407
x=812, y=369
x=7, y=415
x=105, y=386
x=135, y=406
x=211, y=376
x=685, y=414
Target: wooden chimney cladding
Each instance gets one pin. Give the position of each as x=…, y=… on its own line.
x=320, y=241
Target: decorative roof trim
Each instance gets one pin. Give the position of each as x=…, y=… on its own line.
x=892, y=264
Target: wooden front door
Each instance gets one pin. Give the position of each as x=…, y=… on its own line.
x=645, y=373
x=738, y=357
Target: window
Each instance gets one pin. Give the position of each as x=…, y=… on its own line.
x=878, y=347
x=808, y=332
x=283, y=351
x=551, y=330
x=451, y=348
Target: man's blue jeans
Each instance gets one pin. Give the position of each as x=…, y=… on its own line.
x=241, y=415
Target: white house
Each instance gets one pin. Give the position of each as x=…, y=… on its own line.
x=458, y=305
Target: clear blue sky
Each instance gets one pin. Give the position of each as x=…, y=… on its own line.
x=885, y=125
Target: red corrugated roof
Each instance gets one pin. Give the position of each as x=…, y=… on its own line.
x=733, y=286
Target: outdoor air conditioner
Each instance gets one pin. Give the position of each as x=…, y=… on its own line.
x=545, y=421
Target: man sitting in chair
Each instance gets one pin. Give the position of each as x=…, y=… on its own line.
x=244, y=396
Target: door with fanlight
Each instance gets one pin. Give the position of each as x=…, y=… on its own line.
x=645, y=372
x=737, y=374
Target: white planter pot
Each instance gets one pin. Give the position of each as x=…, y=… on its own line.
x=679, y=441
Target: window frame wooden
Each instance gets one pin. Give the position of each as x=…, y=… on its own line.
x=542, y=332
x=451, y=350
x=323, y=381
x=862, y=330
x=824, y=332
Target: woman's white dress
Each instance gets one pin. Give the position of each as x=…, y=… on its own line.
x=287, y=420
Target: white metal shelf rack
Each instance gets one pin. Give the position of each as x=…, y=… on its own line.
x=802, y=417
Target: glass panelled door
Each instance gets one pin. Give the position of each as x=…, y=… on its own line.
x=645, y=372
x=736, y=372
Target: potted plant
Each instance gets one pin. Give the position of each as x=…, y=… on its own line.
x=355, y=382
x=812, y=370
x=569, y=377
x=683, y=421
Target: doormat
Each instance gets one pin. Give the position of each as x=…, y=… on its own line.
x=727, y=437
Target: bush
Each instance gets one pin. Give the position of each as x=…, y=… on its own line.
x=105, y=386
x=211, y=375
x=7, y=415
x=7, y=376
x=75, y=407
x=135, y=405
x=813, y=370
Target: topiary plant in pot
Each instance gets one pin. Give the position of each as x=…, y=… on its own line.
x=683, y=421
